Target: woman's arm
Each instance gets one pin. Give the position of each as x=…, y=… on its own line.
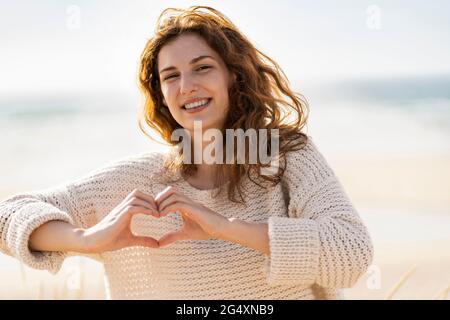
x=323, y=240
x=40, y=228
x=57, y=236
x=254, y=235
x=111, y=233
x=22, y=214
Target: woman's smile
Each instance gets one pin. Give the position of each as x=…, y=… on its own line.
x=197, y=108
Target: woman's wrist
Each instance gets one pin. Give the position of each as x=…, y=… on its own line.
x=88, y=241
x=248, y=234
x=81, y=241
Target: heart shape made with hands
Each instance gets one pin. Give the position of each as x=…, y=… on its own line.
x=197, y=221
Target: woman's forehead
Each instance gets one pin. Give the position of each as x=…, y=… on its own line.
x=183, y=50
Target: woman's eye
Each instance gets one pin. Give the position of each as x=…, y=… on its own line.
x=171, y=76
x=199, y=69
x=204, y=67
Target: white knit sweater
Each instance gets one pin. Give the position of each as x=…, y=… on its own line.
x=318, y=243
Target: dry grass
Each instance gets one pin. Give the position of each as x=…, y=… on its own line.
x=443, y=294
x=400, y=282
x=33, y=284
x=59, y=290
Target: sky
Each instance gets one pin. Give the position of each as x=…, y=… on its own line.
x=93, y=46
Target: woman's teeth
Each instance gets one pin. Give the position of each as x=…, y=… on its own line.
x=196, y=104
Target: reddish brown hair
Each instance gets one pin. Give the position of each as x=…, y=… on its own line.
x=260, y=98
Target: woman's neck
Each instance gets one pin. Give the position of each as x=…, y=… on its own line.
x=206, y=174
x=205, y=177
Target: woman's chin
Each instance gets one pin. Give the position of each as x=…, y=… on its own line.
x=201, y=124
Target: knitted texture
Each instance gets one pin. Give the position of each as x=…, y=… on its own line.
x=318, y=243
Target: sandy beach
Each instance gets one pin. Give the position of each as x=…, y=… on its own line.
x=424, y=267
x=422, y=183
x=406, y=206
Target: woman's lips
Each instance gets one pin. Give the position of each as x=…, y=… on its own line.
x=198, y=109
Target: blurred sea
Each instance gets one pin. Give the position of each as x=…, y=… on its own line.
x=46, y=139
x=395, y=117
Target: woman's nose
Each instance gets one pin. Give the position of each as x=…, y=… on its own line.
x=187, y=85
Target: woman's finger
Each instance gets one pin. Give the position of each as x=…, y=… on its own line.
x=170, y=237
x=140, y=203
x=132, y=210
x=174, y=197
x=144, y=241
x=136, y=194
x=164, y=194
x=146, y=197
x=171, y=197
x=173, y=207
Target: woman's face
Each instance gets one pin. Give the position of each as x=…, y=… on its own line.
x=190, y=71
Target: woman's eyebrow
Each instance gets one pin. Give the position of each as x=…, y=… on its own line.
x=192, y=62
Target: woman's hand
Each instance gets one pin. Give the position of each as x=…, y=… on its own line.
x=113, y=232
x=199, y=222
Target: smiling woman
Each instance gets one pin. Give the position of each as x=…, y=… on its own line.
x=163, y=228
x=197, y=55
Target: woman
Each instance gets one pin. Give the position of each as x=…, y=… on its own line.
x=162, y=226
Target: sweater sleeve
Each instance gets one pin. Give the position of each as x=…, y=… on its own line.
x=323, y=240
x=23, y=213
x=76, y=202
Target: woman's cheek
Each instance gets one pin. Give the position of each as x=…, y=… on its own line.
x=167, y=90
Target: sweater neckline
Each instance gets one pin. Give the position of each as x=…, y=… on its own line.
x=194, y=189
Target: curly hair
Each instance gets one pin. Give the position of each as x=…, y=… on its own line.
x=260, y=96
